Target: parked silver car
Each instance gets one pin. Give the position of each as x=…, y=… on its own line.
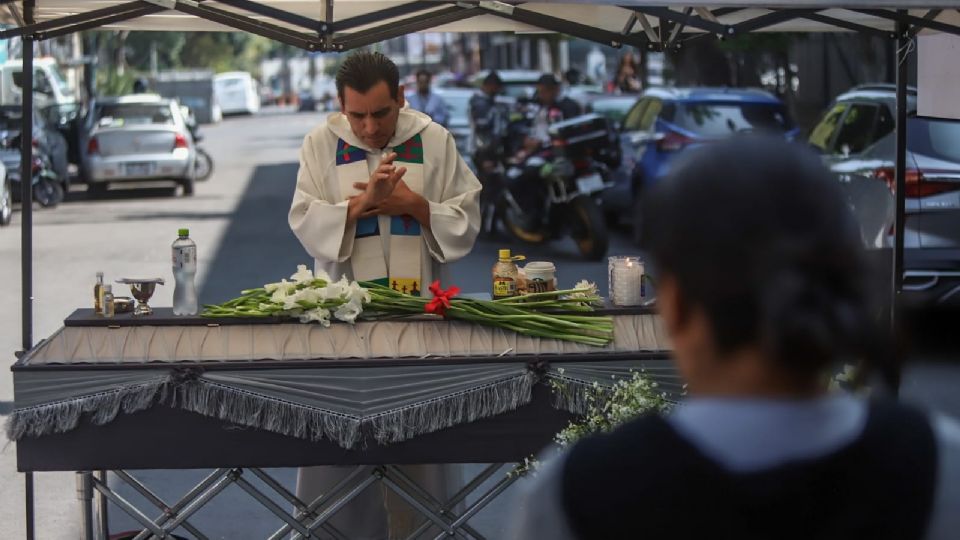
x=137, y=137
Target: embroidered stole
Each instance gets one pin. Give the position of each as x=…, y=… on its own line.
x=368, y=261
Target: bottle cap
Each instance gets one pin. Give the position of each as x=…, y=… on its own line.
x=505, y=256
x=99, y=275
x=107, y=288
x=183, y=232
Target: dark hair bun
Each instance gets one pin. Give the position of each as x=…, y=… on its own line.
x=758, y=235
x=804, y=324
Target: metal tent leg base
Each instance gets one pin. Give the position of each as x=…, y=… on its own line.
x=306, y=521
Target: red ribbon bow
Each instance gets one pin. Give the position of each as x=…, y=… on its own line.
x=441, y=299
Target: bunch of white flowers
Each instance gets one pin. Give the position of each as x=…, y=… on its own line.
x=586, y=290
x=308, y=296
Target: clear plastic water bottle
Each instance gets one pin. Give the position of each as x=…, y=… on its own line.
x=184, y=270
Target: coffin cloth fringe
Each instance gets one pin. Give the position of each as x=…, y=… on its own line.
x=101, y=408
x=255, y=410
x=442, y=412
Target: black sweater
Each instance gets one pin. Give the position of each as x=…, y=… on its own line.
x=644, y=480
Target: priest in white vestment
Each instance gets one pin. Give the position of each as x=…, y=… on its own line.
x=382, y=195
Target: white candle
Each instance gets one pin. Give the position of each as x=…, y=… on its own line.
x=626, y=281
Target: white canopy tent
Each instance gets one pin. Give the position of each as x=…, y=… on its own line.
x=337, y=25
x=341, y=25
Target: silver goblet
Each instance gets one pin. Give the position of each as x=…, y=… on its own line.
x=142, y=290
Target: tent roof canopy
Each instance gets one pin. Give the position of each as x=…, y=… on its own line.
x=337, y=25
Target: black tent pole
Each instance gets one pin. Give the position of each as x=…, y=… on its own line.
x=903, y=55
x=26, y=228
x=26, y=186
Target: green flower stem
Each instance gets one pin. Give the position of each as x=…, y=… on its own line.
x=525, y=317
x=538, y=296
x=532, y=315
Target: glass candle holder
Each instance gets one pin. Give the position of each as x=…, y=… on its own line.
x=625, y=280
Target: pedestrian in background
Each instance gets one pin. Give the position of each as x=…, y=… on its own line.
x=761, y=289
x=627, y=80
x=425, y=101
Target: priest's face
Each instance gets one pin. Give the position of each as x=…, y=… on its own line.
x=372, y=114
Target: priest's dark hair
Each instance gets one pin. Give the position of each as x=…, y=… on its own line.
x=756, y=233
x=362, y=70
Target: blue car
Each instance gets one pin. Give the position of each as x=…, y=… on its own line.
x=666, y=121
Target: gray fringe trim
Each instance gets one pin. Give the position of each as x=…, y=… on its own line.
x=279, y=416
x=574, y=395
x=269, y=413
x=101, y=407
x=489, y=400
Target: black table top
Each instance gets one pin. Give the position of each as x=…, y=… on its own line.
x=163, y=316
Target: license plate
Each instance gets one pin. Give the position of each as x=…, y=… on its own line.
x=139, y=169
x=590, y=183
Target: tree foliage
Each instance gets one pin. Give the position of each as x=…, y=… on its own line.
x=218, y=51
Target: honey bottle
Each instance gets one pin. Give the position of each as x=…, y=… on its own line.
x=98, y=295
x=506, y=276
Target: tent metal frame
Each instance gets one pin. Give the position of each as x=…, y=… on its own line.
x=327, y=35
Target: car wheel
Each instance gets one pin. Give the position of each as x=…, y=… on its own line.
x=6, y=204
x=187, y=184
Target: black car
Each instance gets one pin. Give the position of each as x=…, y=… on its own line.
x=47, y=140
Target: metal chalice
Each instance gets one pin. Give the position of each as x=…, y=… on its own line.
x=142, y=290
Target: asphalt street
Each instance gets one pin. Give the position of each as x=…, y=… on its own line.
x=238, y=219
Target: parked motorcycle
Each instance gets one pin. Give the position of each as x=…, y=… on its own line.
x=553, y=192
x=47, y=188
x=203, y=164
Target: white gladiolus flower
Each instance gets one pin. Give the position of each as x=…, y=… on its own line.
x=349, y=312
x=590, y=292
x=284, y=285
x=358, y=294
x=320, y=315
x=584, y=284
x=322, y=274
x=290, y=302
x=302, y=275
x=283, y=289
x=311, y=295
x=270, y=287
x=336, y=290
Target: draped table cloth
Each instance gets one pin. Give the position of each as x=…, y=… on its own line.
x=175, y=392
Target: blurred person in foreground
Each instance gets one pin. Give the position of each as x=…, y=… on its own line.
x=425, y=101
x=761, y=288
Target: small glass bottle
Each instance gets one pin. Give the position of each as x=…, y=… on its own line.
x=108, y=308
x=506, y=275
x=98, y=295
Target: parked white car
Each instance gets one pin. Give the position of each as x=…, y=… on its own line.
x=137, y=137
x=236, y=93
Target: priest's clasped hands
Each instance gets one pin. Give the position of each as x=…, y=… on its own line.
x=386, y=194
